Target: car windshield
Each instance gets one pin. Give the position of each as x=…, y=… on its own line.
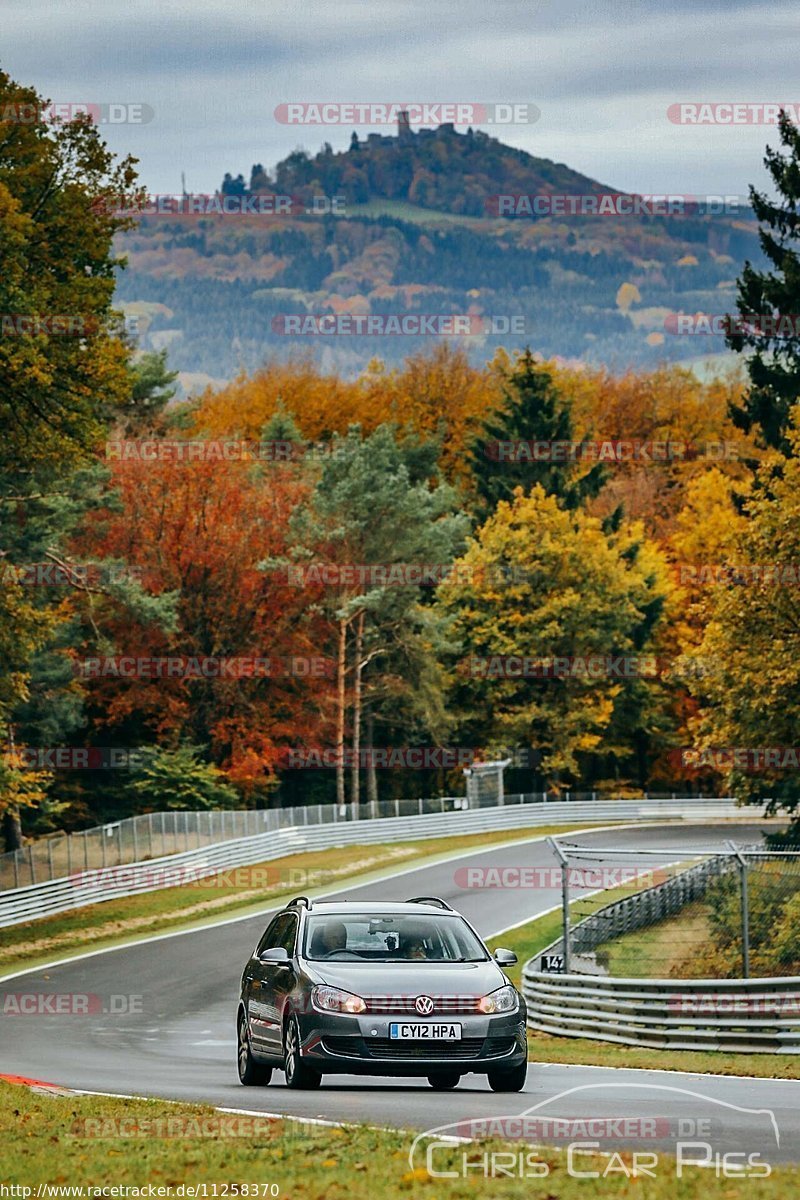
x=394, y=937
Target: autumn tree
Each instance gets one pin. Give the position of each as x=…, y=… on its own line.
x=373, y=506
x=194, y=532
x=752, y=698
x=543, y=583
x=63, y=369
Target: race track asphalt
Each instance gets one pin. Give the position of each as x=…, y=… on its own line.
x=181, y=1044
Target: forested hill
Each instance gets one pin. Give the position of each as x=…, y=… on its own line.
x=438, y=169
x=418, y=231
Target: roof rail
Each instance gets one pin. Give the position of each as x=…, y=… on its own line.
x=434, y=900
x=298, y=900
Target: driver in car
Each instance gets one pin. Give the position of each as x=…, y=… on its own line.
x=332, y=937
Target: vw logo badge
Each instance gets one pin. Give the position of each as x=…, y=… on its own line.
x=424, y=1005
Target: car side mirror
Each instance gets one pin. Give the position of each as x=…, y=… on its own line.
x=504, y=958
x=276, y=954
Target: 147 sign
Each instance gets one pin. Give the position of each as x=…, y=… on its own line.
x=552, y=962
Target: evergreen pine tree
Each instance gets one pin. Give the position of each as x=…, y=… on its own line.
x=533, y=412
x=774, y=367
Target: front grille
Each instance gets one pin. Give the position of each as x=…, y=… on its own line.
x=353, y=1047
x=400, y=1005
x=391, y=1048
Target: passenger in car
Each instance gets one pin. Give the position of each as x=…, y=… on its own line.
x=412, y=946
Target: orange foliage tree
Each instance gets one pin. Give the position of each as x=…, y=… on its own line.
x=199, y=529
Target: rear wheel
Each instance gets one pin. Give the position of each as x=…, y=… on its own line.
x=251, y=1073
x=298, y=1074
x=443, y=1081
x=509, y=1081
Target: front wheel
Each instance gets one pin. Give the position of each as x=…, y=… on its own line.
x=508, y=1081
x=251, y=1073
x=298, y=1074
x=444, y=1081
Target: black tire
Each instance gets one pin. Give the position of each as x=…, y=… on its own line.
x=251, y=1073
x=509, y=1081
x=298, y=1074
x=444, y=1081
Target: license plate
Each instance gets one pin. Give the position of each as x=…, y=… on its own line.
x=411, y=1031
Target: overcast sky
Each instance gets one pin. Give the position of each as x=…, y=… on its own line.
x=603, y=76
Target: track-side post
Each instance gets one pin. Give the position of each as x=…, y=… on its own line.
x=745, y=903
x=564, y=861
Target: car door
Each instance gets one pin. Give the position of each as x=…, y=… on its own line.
x=254, y=994
x=276, y=982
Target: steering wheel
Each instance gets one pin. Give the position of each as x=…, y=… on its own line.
x=349, y=954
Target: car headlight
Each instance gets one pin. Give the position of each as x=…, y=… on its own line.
x=331, y=999
x=502, y=1001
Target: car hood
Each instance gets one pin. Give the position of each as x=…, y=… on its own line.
x=414, y=979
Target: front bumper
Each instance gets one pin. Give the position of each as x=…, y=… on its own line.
x=360, y=1045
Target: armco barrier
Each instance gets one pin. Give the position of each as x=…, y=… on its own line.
x=752, y=1015
x=154, y=834
x=75, y=891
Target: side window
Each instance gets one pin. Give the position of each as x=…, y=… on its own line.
x=268, y=939
x=287, y=934
x=282, y=932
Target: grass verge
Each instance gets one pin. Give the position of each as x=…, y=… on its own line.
x=543, y=1047
x=661, y=949
x=234, y=892
x=136, y=1143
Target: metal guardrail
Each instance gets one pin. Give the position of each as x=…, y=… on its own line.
x=83, y=888
x=152, y=835
x=752, y=1015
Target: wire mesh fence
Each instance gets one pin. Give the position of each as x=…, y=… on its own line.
x=685, y=913
x=154, y=835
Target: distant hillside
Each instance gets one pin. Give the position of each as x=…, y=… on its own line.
x=420, y=234
x=437, y=169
